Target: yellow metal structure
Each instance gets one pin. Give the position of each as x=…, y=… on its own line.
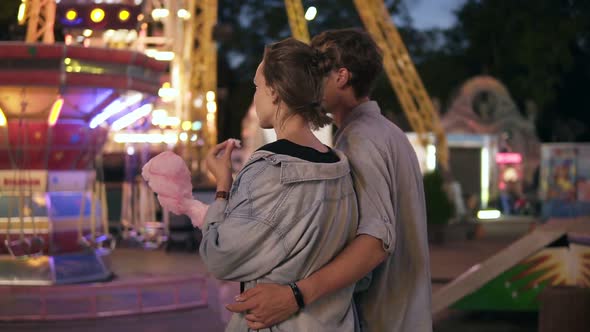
x=399, y=67
x=40, y=17
x=403, y=76
x=203, y=78
x=417, y=105
x=297, y=20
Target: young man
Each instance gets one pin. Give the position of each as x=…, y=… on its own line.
x=391, y=247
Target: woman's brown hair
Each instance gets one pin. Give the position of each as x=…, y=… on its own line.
x=296, y=72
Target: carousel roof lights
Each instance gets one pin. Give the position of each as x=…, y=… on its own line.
x=55, y=110
x=71, y=15
x=115, y=107
x=97, y=15
x=130, y=118
x=124, y=15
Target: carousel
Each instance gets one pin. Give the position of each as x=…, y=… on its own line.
x=56, y=105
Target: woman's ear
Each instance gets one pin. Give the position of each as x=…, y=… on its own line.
x=274, y=95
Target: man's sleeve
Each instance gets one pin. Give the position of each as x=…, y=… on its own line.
x=373, y=185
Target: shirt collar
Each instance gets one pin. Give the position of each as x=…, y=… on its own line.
x=368, y=107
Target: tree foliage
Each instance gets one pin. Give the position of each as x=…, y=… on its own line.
x=256, y=23
x=439, y=207
x=538, y=48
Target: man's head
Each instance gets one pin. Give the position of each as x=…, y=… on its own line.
x=357, y=61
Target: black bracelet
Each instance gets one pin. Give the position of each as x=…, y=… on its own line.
x=298, y=295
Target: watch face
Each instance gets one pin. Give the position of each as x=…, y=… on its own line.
x=484, y=105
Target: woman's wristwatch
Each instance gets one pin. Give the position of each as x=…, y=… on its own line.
x=222, y=194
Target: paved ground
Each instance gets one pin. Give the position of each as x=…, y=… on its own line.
x=487, y=322
x=448, y=261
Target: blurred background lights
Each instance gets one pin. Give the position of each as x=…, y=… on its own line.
x=186, y=125
x=311, y=13
x=160, y=13
x=97, y=15
x=210, y=96
x=71, y=15
x=183, y=14
x=124, y=15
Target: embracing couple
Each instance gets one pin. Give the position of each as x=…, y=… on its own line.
x=322, y=239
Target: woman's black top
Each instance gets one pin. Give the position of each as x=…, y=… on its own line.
x=289, y=148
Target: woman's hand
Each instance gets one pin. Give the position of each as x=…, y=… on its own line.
x=219, y=163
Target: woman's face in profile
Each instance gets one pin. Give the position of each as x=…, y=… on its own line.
x=264, y=100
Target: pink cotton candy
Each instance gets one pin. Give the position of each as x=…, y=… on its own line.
x=167, y=174
x=169, y=177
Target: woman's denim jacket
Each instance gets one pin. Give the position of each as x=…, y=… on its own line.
x=285, y=218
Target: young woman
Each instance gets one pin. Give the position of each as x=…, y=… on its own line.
x=292, y=208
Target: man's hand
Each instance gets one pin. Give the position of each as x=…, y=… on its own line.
x=265, y=305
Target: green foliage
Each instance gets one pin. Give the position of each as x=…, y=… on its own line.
x=9, y=10
x=539, y=49
x=439, y=208
x=256, y=23
x=525, y=43
x=9, y=28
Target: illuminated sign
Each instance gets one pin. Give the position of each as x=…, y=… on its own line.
x=508, y=158
x=23, y=180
